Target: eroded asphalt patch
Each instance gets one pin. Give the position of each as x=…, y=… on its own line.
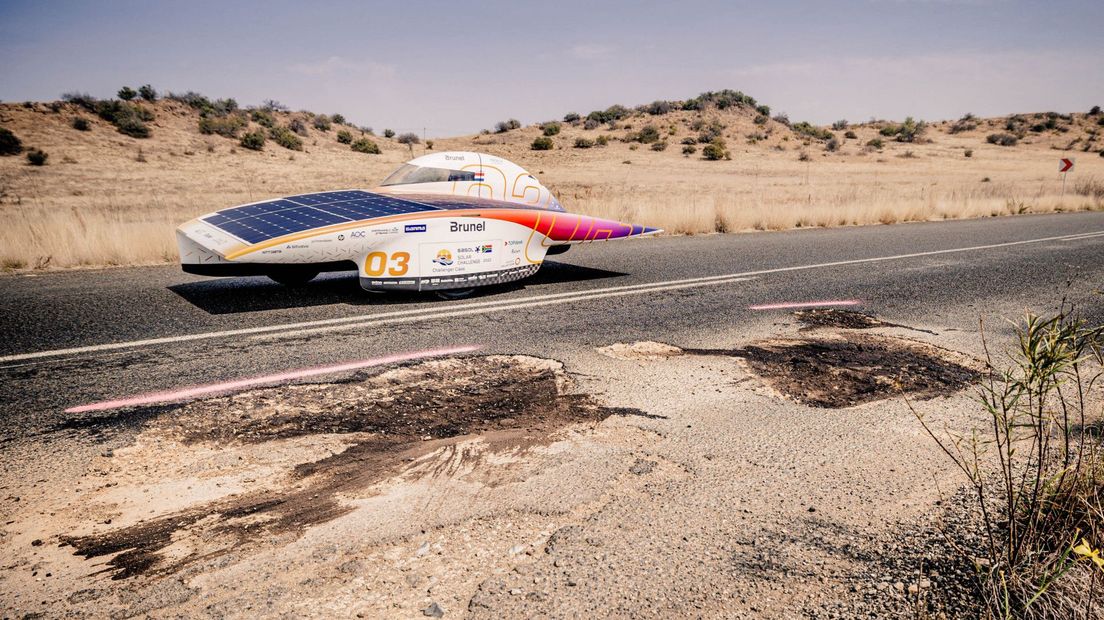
x=375, y=426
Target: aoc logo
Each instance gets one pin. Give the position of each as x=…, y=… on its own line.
x=410, y=228
x=444, y=258
x=473, y=227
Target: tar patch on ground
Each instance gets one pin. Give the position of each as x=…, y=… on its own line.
x=851, y=369
x=390, y=419
x=841, y=319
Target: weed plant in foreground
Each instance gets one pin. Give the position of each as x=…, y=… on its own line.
x=1037, y=472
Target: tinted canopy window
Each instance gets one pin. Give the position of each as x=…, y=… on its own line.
x=409, y=174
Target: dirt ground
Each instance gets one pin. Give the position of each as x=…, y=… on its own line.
x=654, y=481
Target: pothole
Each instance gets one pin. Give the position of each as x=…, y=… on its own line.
x=851, y=369
x=841, y=319
x=644, y=350
x=385, y=421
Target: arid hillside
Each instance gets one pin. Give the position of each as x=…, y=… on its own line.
x=718, y=162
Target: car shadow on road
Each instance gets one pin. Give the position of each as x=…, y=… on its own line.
x=256, y=294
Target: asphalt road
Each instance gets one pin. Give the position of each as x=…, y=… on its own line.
x=78, y=337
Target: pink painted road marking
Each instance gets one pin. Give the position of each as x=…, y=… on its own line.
x=291, y=375
x=806, y=304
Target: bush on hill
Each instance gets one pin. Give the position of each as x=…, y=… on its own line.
x=966, y=123
x=613, y=113
x=344, y=136
x=716, y=150
x=147, y=92
x=583, y=143
x=254, y=140
x=1002, y=139
x=337, y=119
x=364, y=145
x=81, y=124
x=263, y=118
x=285, y=138
x=550, y=128
x=10, y=144
x=37, y=157
x=542, y=143
x=812, y=131
x=226, y=126
x=322, y=122
x=408, y=138
x=127, y=93
x=571, y=117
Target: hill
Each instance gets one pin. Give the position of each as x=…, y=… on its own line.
x=106, y=196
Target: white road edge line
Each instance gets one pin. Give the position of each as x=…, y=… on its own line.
x=465, y=309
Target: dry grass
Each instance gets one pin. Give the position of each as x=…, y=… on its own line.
x=95, y=204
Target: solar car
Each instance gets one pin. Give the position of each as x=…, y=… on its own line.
x=446, y=222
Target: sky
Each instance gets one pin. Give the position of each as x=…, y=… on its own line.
x=457, y=67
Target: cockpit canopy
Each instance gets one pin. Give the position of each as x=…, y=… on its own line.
x=469, y=175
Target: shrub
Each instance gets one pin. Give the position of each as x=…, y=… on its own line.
x=875, y=143
x=688, y=140
x=550, y=128
x=812, y=131
x=337, y=119
x=716, y=150
x=613, y=113
x=147, y=92
x=285, y=138
x=344, y=137
x=1002, y=139
x=850, y=135
x=590, y=123
x=191, y=99
x=254, y=140
x=657, y=108
x=761, y=119
x=803, y=156
x=408, y=139
x=81, y=124
x=364, y=145
x=647, y=134
x=273, y=106
x=968, y=152
x=832, y=145
x=966, y=123
x=225, y=126
x=839, y=125
x=1033, y=470
x=84, y=100
x=127, y=93
x=263, y=118
x=132, y=126
x=10, y=144
x=571, y=117
x=1094, y=110
x=1101, y=121
x=429, y=145
x=583, y=143
x=689, y=149
x=128, y=118
x=543, y=143
x=298, y=126
x=908, y=131
x=37, y=157
x=507, y=125
x=763, y=110
x=388, y=133
x=782, y=118
x=711, y=132
x=322, y=122
x=721, y=100
x=659, y=146
x=601, y=140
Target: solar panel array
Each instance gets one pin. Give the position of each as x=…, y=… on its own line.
x=276, y=218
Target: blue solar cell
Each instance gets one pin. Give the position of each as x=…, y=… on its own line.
x=275, y=218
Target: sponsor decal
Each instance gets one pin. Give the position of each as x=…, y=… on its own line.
x=414, y=228
x=357, y=234
x=385, y=231
x=341, y=237
x=465, y=227
x=444, y=258
x=454, y=157
x=479, y=176
x=272, y=251
x=484, y=249
x=296, y=246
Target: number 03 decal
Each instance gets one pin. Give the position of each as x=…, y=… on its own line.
x=378, y=262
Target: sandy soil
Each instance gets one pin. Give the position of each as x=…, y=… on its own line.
x=646, y=483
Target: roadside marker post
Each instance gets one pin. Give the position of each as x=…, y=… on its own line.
x=1064, y=166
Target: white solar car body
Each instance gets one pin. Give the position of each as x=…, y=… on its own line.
x=444, y=222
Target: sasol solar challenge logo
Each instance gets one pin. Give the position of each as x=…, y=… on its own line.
x=444, y=258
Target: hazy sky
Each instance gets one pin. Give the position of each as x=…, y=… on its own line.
x=456, y=67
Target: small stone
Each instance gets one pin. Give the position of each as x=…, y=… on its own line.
x=641, y=467
x=516, y=549
x=900, y=587
x=913, y=588
x=424, y=549
x=36, y=542
x=433, y=611
x=516, y=591
x=107, y=453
